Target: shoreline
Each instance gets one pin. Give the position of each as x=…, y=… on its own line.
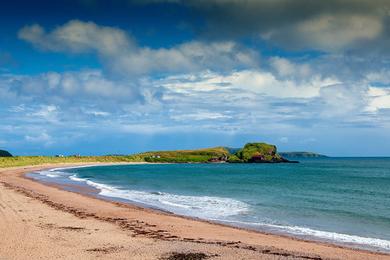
x=172, y=228
x=92, y=192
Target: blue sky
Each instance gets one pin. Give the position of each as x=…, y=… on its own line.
x=103, y=77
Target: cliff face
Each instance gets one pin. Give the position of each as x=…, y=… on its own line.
x=4, y=153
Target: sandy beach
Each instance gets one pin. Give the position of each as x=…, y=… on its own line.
x=44, y=222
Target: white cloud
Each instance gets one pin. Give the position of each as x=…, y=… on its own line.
x=48, y=113
x=379, y=89
x=96, y=112
x=382, y=102
x=76, y=36
x=283, y=139
x=43, y=138
x=286, y=97
x=337, y=31
x=201, y=115
x=379, y=99
x=17, y=108
x=285, y=68
x=77, y=85
x=380, y=76
x=255, y=81
x=331, y=26
x=343, y=100
x=120, y=54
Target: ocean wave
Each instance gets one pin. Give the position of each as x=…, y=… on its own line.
x=197, y=206
x=50, y=173
x=58, y=172
x=323, y=235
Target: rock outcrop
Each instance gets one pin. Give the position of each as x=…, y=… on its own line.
x=257, y=153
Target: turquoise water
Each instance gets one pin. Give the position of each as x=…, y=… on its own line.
x=343, y=200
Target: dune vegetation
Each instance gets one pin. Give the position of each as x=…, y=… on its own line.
x=38, y=160
x=182, y=156
x=250, y=153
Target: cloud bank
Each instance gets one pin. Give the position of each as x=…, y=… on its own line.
x=121, y=55
x=214, y=83
x=330, y=26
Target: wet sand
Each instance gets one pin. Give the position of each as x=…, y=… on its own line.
x=46, y=222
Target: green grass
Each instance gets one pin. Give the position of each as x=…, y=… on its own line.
x=183, y=156
x=268, y=151
x=180, y=156
x=36, y=160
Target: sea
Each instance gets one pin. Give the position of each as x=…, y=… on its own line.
x=345, y=201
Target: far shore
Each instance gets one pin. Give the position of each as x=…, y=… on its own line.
x=45, y=221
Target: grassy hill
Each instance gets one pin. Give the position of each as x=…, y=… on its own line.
x=183, y=156
x=257, y=153
x=4, y=153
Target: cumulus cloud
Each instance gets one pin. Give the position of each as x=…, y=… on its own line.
x=72, y=85
x=341, y=30
x=240, y=102
x=43, y=138
x=323, y=25
x=200, y=115
x=48, y=113
x=329, y=32
x=250, y=81
x=76, y=36
x=121, y=55
x=379, y=99
x=203, y=85
x=343, y=100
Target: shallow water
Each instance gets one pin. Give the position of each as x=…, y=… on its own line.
x=342, y=200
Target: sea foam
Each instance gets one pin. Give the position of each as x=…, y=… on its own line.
x=196, y=206
x=319, y=234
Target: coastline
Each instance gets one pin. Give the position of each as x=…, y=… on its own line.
x=175, y=232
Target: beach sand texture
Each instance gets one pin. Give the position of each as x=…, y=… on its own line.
x=44, y=222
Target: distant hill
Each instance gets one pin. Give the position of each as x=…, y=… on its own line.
x=232, y=150
x=4, y=153
x=302, y=155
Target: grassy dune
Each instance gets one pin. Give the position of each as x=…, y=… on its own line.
x=36, y=160
x=179, y=156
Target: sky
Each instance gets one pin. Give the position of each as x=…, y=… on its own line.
x=125, y=76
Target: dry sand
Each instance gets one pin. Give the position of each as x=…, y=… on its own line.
x=44, y=222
